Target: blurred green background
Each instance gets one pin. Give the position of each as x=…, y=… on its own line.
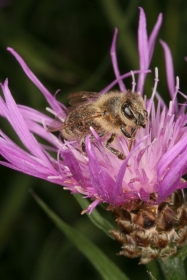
x=66, y=43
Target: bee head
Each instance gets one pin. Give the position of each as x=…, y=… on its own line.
x=134, y=112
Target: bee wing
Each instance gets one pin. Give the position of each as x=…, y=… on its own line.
x=82, y=97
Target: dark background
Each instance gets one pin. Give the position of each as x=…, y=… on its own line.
x=66, y=43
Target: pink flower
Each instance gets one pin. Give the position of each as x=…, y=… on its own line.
x=155, y=165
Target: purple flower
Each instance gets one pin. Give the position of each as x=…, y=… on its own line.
x=155, y=165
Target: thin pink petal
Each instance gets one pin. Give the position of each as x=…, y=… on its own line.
x=115, y=62
x=15, y=118
x=143, y=48
x=153, y=36
x=169, y=68
x=51, y=100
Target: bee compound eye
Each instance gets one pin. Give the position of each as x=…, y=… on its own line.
x=127, y=112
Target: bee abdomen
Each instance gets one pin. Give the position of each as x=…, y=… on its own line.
x=78, y=122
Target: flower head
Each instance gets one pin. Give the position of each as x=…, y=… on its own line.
x=152, y=169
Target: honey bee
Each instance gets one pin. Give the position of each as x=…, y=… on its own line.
x=115, y=113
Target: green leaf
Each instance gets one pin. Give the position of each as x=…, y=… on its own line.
x=95, y=217
x=117, y=17
x=173, y=268
x=107, y=269
x=11, y=207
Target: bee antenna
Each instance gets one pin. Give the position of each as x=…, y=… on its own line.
x=133, y=81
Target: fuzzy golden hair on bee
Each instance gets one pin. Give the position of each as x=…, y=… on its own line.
x=114, y=113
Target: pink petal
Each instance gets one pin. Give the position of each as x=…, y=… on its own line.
x=15, y=118
x=143, y=49
x=51, y=100
x=115, y=62
x=169, y=68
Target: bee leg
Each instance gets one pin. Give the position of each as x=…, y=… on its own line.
x=130, y=135
x=130, y=144
x=114, y=151
x=125, y=132
x=133, y=133
x=82, y=142
x=82, y=145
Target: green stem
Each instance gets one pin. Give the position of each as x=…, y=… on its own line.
x=153, y=270
x=173, y=268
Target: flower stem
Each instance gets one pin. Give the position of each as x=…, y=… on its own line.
x=173, y=268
